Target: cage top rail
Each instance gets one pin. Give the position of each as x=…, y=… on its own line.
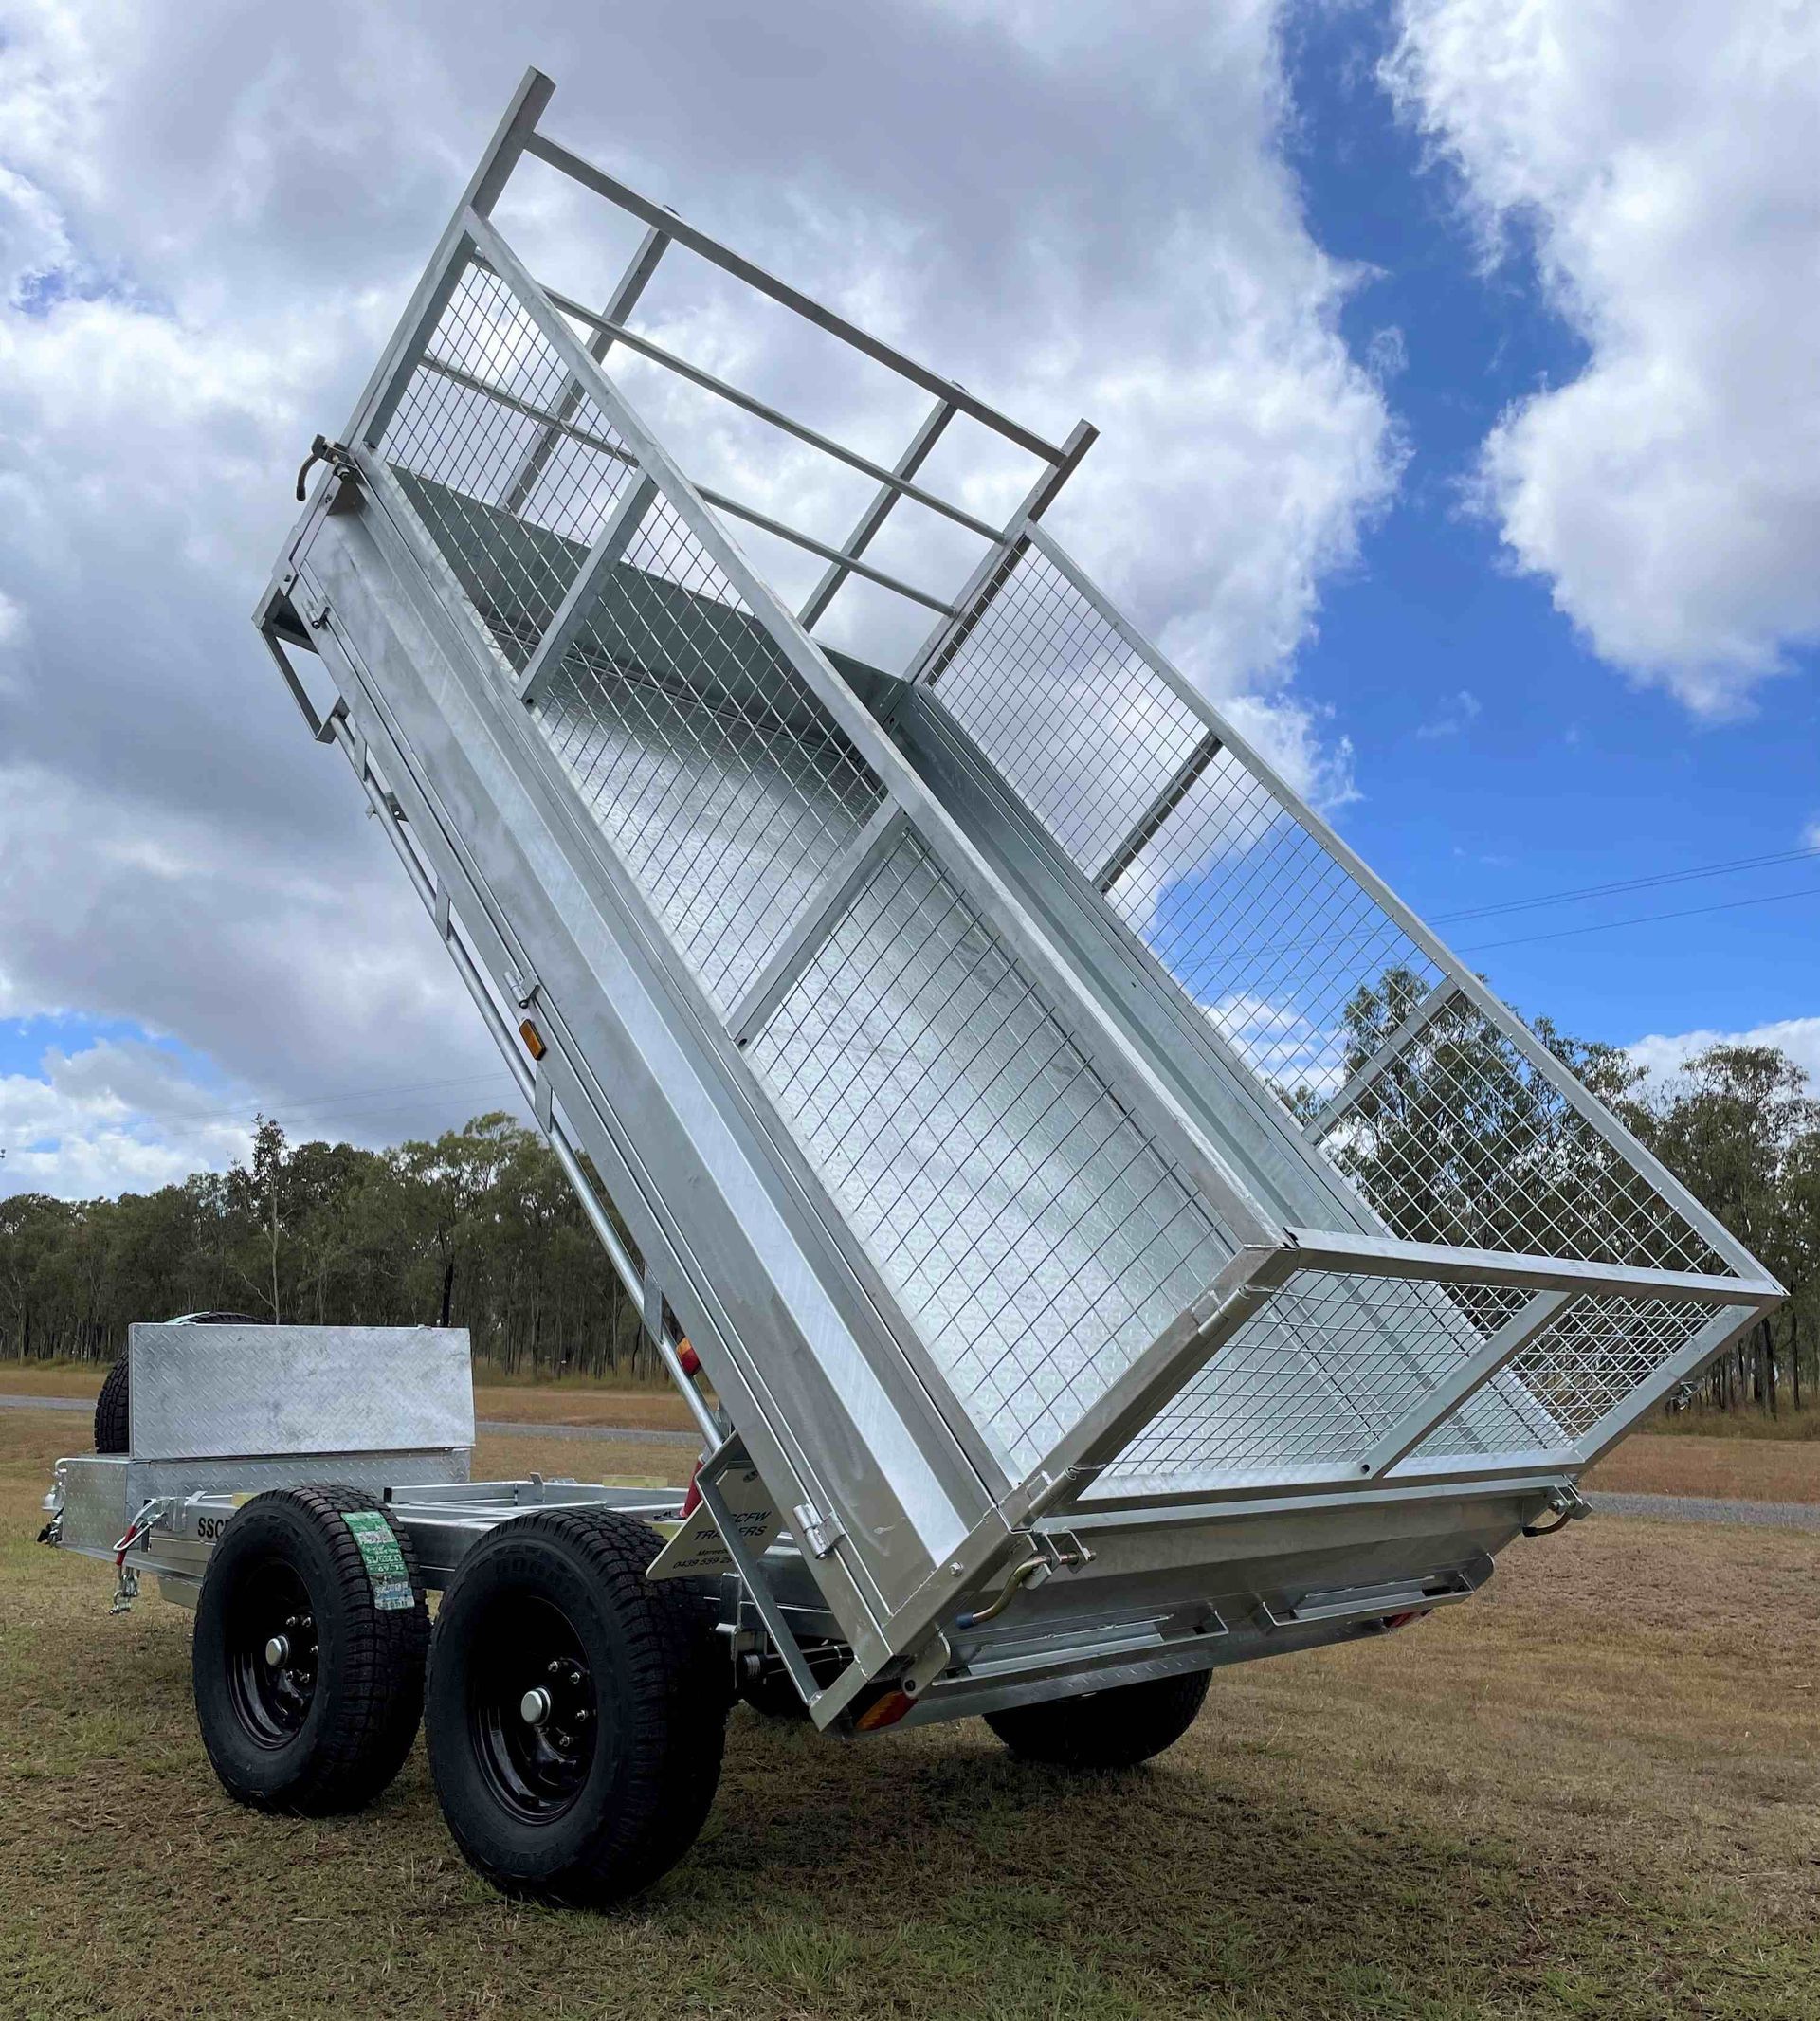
x=699, y=375
x=661, y=218
x=559, y=425
x=462, y=247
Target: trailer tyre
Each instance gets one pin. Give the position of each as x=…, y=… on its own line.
x=1113, y=1729
x=112, y=1424
x=575, y=1712
x=309, y=1652
x=110, y=1409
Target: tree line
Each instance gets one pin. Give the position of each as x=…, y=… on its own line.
x=479, y=1229
x=1460, y=1141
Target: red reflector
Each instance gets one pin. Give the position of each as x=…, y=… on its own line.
x=692, y=1501
x=885, y=1711
x=686, y=1354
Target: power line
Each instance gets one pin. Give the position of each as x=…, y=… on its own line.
x=1629, y=884
x=360, y=1101
x=1603, y=926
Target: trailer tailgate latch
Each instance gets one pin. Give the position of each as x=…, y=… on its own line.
x=338, y=457
x=1567, y=1505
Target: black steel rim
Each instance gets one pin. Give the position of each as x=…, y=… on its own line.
x=273, y=1653
x=533, y=1716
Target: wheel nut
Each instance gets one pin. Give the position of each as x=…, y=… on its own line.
x=533, y=1707
x=277, y=1650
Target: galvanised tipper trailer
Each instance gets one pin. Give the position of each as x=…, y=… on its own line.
x=1101, y=1233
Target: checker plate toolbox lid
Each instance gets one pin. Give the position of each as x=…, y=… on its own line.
x=1030, y=1108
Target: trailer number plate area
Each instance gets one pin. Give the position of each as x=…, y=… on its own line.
x=382, y=1558
x=698, y=1548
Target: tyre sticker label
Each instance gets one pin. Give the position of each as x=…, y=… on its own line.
x=385, y=1562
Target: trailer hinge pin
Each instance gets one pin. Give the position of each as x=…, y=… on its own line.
x=820, y=1533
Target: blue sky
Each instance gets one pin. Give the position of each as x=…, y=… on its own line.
x=1560, y=773
x=1460, y=433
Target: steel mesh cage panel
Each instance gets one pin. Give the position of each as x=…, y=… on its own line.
x=472, y=422
x=1461, y=1140
x=1296, y=966
x=1593, y=1357
x=1266, y=933
x=1322, y=1371
x=970, y=1107
x=719, y=778
x=1031, y=1225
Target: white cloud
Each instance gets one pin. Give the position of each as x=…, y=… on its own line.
x=1457, y=714
x=1811, y=835
x=1664, y=155
x=1799, y=1037
x=113, y=1117
x=210, y=217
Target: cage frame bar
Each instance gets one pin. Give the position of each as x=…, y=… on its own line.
x=620, y=305
x=871, y=520
x=1670, y=1190
x=578, y=170
x=721, y=501
x=750, y=404
x=566, y=626
x=817, y=919
x=1320, y=1124
x=1534, y=1317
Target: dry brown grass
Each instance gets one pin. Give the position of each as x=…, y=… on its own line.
x=569, y=1402
x=1751, y=1469
x=1743, y=1469
x=50, y=1378
x=1593, y=1793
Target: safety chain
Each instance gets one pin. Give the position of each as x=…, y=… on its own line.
x=138, y=1531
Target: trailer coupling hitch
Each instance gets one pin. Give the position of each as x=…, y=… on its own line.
x=338, y=457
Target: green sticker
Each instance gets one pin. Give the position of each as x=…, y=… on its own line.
x=382, y=1558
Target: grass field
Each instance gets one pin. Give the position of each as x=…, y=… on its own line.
x=1745, y=1469
x=1749, y=1468
x=1593, y=1793
x=572, y=1402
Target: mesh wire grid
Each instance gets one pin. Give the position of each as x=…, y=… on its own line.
x=1291, y=961
x=481, y=402
x=1461, y=1140
x=721, y=782
x=1035, y=1232
x=1328, y=1365
x=1595, y=1356
x=1032, y=1227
